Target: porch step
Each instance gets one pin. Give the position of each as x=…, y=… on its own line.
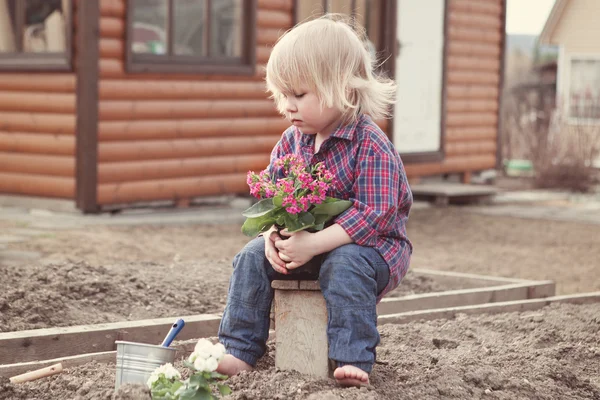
x=443, y=193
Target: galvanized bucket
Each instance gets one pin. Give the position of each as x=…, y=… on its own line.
x=136, y=361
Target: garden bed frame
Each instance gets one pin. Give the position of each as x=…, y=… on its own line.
x=24, y=351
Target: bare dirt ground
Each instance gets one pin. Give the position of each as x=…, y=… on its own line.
x=100, y=274
x=103, y=274
x=548, y=354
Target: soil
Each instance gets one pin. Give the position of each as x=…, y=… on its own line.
x=469, y=357
x=109, y=274
x=113, y=273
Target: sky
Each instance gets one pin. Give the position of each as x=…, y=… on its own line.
x=527, y=16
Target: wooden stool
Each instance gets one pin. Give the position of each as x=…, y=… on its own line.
x=301, y=328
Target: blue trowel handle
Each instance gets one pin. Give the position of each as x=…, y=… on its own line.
x=175, y=329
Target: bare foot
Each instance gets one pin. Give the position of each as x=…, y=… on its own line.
x=230, y=366
x=349, y=375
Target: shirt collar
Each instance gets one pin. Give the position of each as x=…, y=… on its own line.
x=343, y=131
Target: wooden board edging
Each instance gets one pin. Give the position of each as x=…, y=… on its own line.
x=184, y=349
x=502, y=307
x=43, y=344
x=464, y=275
x=464, y=297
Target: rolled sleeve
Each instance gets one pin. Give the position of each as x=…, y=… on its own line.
x=374, y=205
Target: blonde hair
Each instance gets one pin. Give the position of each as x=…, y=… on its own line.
x=329, y=57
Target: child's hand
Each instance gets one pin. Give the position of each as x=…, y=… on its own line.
x=272, y=253
x=297, y=250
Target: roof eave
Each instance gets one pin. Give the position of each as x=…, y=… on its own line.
x=552, y=21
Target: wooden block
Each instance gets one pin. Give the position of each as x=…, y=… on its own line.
x=301, y=332
x=310, y=285
x=286, y=285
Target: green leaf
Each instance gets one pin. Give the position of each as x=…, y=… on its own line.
x=259, y=209
x=224, y=389
x=331, y=208
x=280, y=220
x=217, y=375
x=304, y=220
x=319, y=227
x=278, y=201
x=253, y=226
x=198, y=380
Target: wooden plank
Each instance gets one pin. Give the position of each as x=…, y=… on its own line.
x=50, y=102
x=172, y=189
x=67, y=362
x=86, y=150
x=463, y=297
x=37, y=164
x=37, y=185
x=301, y=332
x=184, y=349
x=462, y=276
x=122, y=89
x=452, y=189
x=493, y=308
x=185, y=148
x=42, y=344
x=273, y=19
x=112, y=131
x=24, y=142
x=127, y=110
x=456, y=149
x=179, y=168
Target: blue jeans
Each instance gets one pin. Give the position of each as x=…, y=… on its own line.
x=351, y=277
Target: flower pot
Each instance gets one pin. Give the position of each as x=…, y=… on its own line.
x=306, y=272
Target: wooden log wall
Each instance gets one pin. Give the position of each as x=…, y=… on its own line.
x=177, y=136
x=37, y=133
x=473, y=69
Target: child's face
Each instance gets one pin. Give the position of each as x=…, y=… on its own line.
x=303, y=109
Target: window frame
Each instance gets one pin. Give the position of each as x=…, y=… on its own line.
x=570, y=119
x=170, y=63
x=38, y=62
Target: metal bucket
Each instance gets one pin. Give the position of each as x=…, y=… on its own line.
x=136, y=361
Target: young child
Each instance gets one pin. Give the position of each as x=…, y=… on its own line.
x=322, y=79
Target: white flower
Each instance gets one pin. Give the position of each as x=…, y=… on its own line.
x=192, y=357
x=218, y=351
x=167, y=370
x=211, y=364
x=203, y=348
x=200, y=364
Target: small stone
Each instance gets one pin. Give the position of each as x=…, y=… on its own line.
x=526, y=381
x=487, y=391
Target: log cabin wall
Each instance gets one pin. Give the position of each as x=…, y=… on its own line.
x=176, y=137
x=37, y=132
x=472, y=78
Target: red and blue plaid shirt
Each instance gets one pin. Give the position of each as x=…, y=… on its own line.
x=369, y=172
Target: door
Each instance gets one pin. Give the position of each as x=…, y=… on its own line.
x=419, y=75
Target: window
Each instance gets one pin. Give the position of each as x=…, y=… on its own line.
x=201, y=36
x=35, y=34
x=584, y=90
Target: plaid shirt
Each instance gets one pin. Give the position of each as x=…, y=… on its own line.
x=369, y=172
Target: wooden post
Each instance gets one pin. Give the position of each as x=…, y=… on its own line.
x=301, y=328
